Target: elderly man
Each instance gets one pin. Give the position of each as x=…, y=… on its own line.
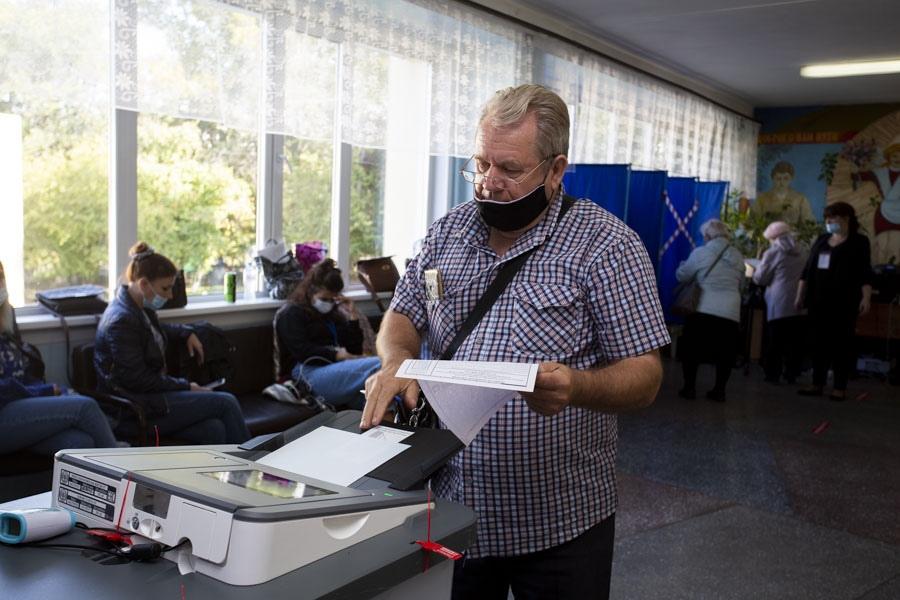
x=541, y=474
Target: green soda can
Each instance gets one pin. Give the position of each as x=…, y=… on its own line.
x=230, y=286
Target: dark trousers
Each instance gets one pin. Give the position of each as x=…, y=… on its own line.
x=578, y=569
x=784, y=351
x=708, y=338
x=833, y=345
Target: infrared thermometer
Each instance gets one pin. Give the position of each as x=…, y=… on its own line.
x=33, y=524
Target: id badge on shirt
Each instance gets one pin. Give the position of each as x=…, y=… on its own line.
x=434, y=285
x=824, y=260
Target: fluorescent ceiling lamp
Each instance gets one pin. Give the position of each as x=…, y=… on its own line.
x=849, y=69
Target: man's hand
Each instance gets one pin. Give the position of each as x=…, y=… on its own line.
x=380, y=391
x=864, y=306
x=196, y=387
x=195, y=348
x=554, y=389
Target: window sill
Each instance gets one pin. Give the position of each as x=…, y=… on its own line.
x=197, y=308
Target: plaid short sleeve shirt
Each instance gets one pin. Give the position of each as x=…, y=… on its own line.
x=586, y=297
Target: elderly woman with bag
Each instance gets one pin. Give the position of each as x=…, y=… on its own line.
x=779, y=271
x=711, y=333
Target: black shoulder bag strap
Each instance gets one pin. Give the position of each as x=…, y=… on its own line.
x=422, y=415
x=490, y=295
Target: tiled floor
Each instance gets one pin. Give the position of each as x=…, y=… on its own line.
x=744, y=500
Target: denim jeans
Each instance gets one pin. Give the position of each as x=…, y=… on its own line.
x=49, y=423
x=200, y=417
x=339, y=383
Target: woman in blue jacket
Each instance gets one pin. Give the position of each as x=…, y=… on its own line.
x=129, y=357
x=33, y=414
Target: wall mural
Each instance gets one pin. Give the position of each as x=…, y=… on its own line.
x=810, y=157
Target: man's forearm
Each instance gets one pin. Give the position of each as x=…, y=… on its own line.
x=627, y=384
x=397, y=339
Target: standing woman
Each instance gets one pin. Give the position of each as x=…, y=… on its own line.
x=779, y=271
x=836, y=287
x=711, y=333
x=319, y=331
x=130, y=351
x=36, y=416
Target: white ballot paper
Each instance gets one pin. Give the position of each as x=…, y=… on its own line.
x=333, y=455
x=466, y=394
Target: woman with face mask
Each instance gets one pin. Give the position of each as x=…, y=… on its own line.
x=318, y=331
x=36, y=416
x=130, y=359
x=836, y=288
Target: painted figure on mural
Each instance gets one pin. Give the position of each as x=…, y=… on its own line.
x=782, y=202
x=887, y=217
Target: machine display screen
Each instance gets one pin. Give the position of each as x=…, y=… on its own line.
x=266, y=483
x=149, y=500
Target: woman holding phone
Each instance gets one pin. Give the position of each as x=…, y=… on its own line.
x=130, y=351
x=318, y=331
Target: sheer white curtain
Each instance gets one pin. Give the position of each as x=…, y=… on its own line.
x=295, y=66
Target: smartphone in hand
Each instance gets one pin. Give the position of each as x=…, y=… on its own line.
x=214, y=384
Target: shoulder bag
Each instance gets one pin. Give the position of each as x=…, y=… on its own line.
x=423, y=415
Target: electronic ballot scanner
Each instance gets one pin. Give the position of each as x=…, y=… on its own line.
x=228, y=513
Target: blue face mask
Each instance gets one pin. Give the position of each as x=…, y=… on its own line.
x=156, y=302
x=833, y=227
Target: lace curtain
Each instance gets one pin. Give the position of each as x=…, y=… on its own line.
x=327, y=69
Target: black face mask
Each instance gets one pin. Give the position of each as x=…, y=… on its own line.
x=515, y=214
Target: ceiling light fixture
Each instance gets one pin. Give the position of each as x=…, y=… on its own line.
x=849, y=69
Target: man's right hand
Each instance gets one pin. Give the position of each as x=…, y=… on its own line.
x=380, y=391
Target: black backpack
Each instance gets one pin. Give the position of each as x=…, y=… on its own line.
x=219, y=355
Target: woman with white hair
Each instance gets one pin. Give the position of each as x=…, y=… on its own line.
x=780, y=271
x=35, y=416
x=711, y=334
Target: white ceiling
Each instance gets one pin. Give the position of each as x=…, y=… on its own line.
x=752, y=49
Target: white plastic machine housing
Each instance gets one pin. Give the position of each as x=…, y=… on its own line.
x=235, y=534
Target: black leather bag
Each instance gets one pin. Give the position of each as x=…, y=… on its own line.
x=74, y=300
x=179, y=293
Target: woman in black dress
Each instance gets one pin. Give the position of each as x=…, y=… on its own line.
x=836, y=288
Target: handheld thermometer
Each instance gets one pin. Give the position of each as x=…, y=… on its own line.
x=33, y=524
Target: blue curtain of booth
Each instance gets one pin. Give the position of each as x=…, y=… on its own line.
x=710, y=196
x=646, y=206
x=682, y=193
x=605, y=185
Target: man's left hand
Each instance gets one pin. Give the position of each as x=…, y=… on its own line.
x=195, y=348
x=554, y=389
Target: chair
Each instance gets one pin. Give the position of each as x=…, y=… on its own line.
x=84, y=380
x=378, y=275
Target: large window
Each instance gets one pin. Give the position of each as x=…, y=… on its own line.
x=53, y=133
x=197, y=196
x=207, y=127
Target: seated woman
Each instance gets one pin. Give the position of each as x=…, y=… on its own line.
x=129, y=357
x=33, y=414
x=319, y=330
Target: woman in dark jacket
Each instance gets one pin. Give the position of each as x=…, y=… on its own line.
x=129, y=357
x=36, y=416
x=318, y=331
x=836, y=288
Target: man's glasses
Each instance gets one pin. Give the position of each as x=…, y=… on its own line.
x=474, y=172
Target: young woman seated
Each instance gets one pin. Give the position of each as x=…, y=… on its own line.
x=130, y=351
x=319, y=330
x=35, y=416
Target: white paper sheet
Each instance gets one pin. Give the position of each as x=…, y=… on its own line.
x=518, y=377
x=466, y=394
x=333, y=455
x=390, y=434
